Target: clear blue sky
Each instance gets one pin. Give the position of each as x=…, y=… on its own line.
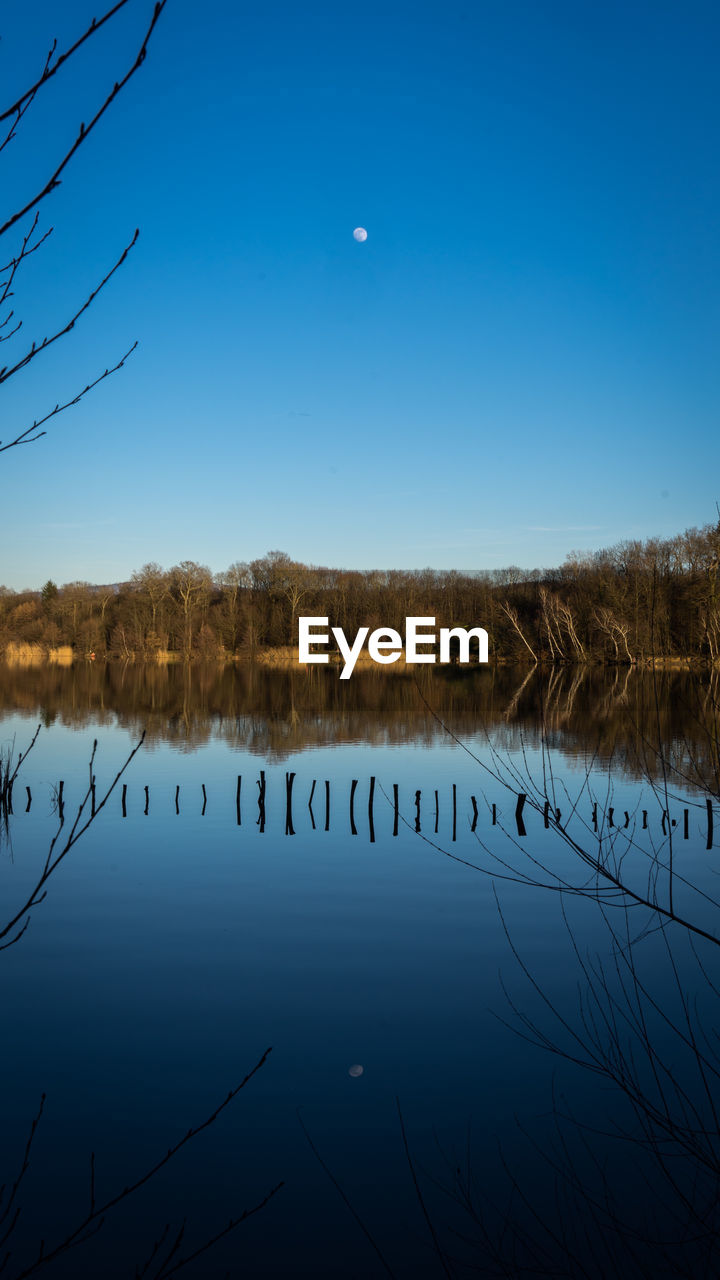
x=521, y=360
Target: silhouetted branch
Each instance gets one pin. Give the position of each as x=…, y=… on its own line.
x=639, y=1028
x=419, y=1194
x=16, y=1184
x=167, y=1270
x=26, y=251
x=53, y=860
x=8, y=774
x=84, y=130
x=602, y=855
x=385, y=1264
x=25, y=437
x=21, y=103
x=37, y=348
x=95, y=1219
x=9, y=325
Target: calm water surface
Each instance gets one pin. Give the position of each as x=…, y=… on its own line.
x=174, y=947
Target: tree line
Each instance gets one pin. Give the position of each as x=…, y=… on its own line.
x=620, y=605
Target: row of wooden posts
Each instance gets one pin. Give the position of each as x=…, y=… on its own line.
x=551, y=816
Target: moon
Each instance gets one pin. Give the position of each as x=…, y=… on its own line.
x=359, y=234
x=355, y=1070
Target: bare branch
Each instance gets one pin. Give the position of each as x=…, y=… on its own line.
x=49, y=71
x=53, y=860
x=85, y=130
x=16, y=1184
x=36, y=349
x=96, y=1215
x=22, y=106
x=166, y=1271
x=26, y=436
x=26, y=250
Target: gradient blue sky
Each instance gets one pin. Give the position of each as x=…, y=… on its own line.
x=521, y=360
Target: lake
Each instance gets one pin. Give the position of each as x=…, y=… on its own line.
x=257, y=885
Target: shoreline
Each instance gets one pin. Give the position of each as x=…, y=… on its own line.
x=284, y=658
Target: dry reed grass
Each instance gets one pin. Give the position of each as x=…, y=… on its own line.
x=35, y=655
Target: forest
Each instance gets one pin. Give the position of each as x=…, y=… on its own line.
x=628, y=604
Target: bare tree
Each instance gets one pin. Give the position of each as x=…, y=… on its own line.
x=512, y=614
x=192, y=584
x=21, y=230
x=615, y=630
x=151, y=586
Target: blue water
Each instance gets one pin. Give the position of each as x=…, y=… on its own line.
x=172, y=949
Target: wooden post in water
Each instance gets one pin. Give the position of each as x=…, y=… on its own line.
x=417, y=811
x=371, y=816
x=92, y=796
x=177, y=798
x=312, y=815
x=437, y=812
x=454, y=834
x=710, y=824
x=475, y=813
x=147, y=800
x=396, y=803
x=686, y=821
x=237, y=799
x=261, y=801
x=644, y=819
x=289, y=828
x=27, y=806
x=546, y=815
x=522, y=797
x=327, y=804
x=124, y=799
x=202, y=812
x=594, y=816
x=494, y=815
x=353, y=785
x=611, y=811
